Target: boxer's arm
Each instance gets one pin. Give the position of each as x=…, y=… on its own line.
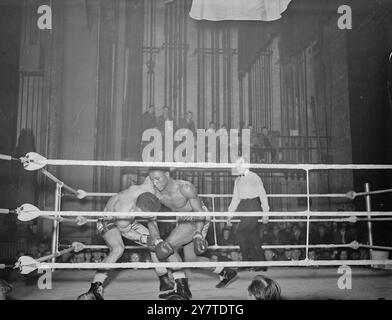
x=188, y=190
x=153, y=229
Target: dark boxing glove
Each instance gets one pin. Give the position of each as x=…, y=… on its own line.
x=163, y=249
x=200, y=244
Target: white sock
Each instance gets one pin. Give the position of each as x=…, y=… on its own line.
x=218, y=270
x=100, y=277
x=178, y=275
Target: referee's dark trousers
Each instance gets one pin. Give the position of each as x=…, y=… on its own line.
x=247, y=232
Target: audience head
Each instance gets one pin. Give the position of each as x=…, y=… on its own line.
x=269, y=255
x=151, y=109
x=263, y=288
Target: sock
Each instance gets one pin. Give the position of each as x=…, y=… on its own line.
x=100, y=277
x=178, y=275
x=218, y=270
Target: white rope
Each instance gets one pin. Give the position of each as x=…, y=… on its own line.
x=150, y=265
x=216, y=214
x=210, y=165
x=271, y=195
x=265, y=247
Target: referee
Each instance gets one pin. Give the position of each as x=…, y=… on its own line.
x=249, y=195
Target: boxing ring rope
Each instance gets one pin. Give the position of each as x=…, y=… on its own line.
x=57, y=213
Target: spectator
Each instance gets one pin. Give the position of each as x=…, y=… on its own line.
x=254, y=145
x=297, y=237
x=343, y=255
x=226, y=238
x=335, y=233
x=224, y=127
x=275, y=237
x=234, y=256
x=265, y=234
x=188, y=123
x=321, y=237
x=341, y=236
x=43, y=248
x=87, y=255
x=363, y=254
x=166, y=116
x=263, y=288
x=149, y=119
x=270, y=255
x=135, y=257
x=286, y=255
x=296, y=254
x=267, y=144
x=96, y=257
x=5, y=288
x=211, y=127
x=34, y=252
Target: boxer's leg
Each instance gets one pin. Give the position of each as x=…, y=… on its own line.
x=112, y=237
x=181, y=235
x=134, y=233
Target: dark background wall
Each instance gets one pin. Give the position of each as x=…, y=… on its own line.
x=10, y=22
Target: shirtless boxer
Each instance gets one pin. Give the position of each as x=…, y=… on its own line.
x=135, y=198
x=190, y=232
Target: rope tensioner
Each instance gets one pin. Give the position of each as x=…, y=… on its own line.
x=28, y=264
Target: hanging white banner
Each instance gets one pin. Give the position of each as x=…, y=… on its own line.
x=217, y=10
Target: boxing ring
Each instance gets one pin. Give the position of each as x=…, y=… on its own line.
x=313, y=274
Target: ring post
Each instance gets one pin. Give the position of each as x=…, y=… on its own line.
x=56, y=228
x=213, y=220
x=308, y=215
x=369, y=223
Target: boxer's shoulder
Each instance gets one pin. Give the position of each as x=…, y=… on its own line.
x=187, y=189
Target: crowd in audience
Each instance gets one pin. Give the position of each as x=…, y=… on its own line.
x=289, y=233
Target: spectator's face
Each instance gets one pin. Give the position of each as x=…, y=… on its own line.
x=287, y=254
x=87, y=256
x=269, y=255
x=189, y=115
x=234, y=256
x=363, y=254
x=96, y=255
x=343, y=255
x=335, y=225
x=321, y=230
x=212, y=126
x=135, y=257
x=159, y=179
x=312, y=255
x=80, y=257
x=214, y=258
x=226, y=234
x=296, y=254
x=165, y=112
x=355, y=255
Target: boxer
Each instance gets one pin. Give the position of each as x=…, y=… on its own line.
x=189, y=234
x=135, y=198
